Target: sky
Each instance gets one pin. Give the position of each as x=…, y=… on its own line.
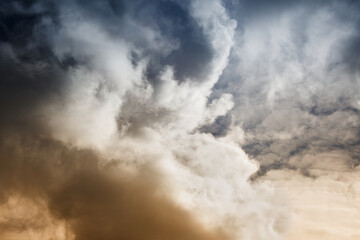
x=179, y=119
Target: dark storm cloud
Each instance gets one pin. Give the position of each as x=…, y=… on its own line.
x=171, y=19
x=25, y=27
x=191, y=57
x=33, y=73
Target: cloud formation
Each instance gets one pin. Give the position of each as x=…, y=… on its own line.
x=295, y=83
x=135, y=119
x=102, y=105
x=93, y=204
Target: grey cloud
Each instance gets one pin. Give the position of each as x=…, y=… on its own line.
x=173, y=22
x=295, y=84
x=219, y=127
x=36, y=72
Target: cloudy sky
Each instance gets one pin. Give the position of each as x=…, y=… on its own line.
x=179, y=120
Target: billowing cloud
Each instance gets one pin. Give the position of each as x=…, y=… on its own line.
x=176, y=119
x=295, y=85
x=102, y=105
x=79, y=192
x=294, y=76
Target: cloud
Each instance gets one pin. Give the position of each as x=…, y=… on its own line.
x=80, y=192
x=323, y=207
x=147, y=110
x=101, y=130
x=294, y=83
x=133, y=119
